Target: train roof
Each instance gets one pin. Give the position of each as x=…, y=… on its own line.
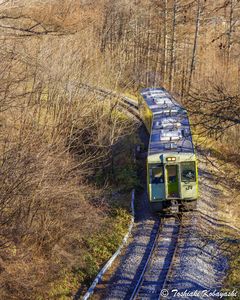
x=170, y=128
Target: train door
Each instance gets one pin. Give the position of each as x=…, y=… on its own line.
x=172, y=181
x=157, y=183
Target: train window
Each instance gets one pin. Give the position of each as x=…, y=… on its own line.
x=157, y=175
x=172, y=173
x=188, y=171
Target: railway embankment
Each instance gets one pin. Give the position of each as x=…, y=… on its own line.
x=218, y=212
x=205, y=262
x=204, y=259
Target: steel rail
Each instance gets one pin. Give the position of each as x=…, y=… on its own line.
x=140, y=281
x=150, y=255
x=125, y=102
x=164, y=285
x=132, y=107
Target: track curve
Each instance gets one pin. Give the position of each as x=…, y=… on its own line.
x=154, y=268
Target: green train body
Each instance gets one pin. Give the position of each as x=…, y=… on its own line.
x=172, y=175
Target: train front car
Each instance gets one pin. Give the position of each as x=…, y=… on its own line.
x=172, y=175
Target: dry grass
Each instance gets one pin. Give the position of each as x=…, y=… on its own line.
x=52, y=144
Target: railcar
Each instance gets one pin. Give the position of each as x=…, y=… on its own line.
x=172, y=176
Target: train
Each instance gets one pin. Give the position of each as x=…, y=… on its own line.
x=172, y=172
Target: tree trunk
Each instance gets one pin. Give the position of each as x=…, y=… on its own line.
x=172, y=49
x=193, y=60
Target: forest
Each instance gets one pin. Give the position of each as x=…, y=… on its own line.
x=65, y=155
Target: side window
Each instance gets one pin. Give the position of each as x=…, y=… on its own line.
x=157, y=175
x=188, y=171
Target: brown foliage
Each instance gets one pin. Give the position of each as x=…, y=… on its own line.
x=54, y=136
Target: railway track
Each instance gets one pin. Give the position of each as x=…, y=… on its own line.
x=125, y=102
x=156, y=266
x=152, y=280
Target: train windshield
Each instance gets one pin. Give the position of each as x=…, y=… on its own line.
x=188, y=171
x=157, y=174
